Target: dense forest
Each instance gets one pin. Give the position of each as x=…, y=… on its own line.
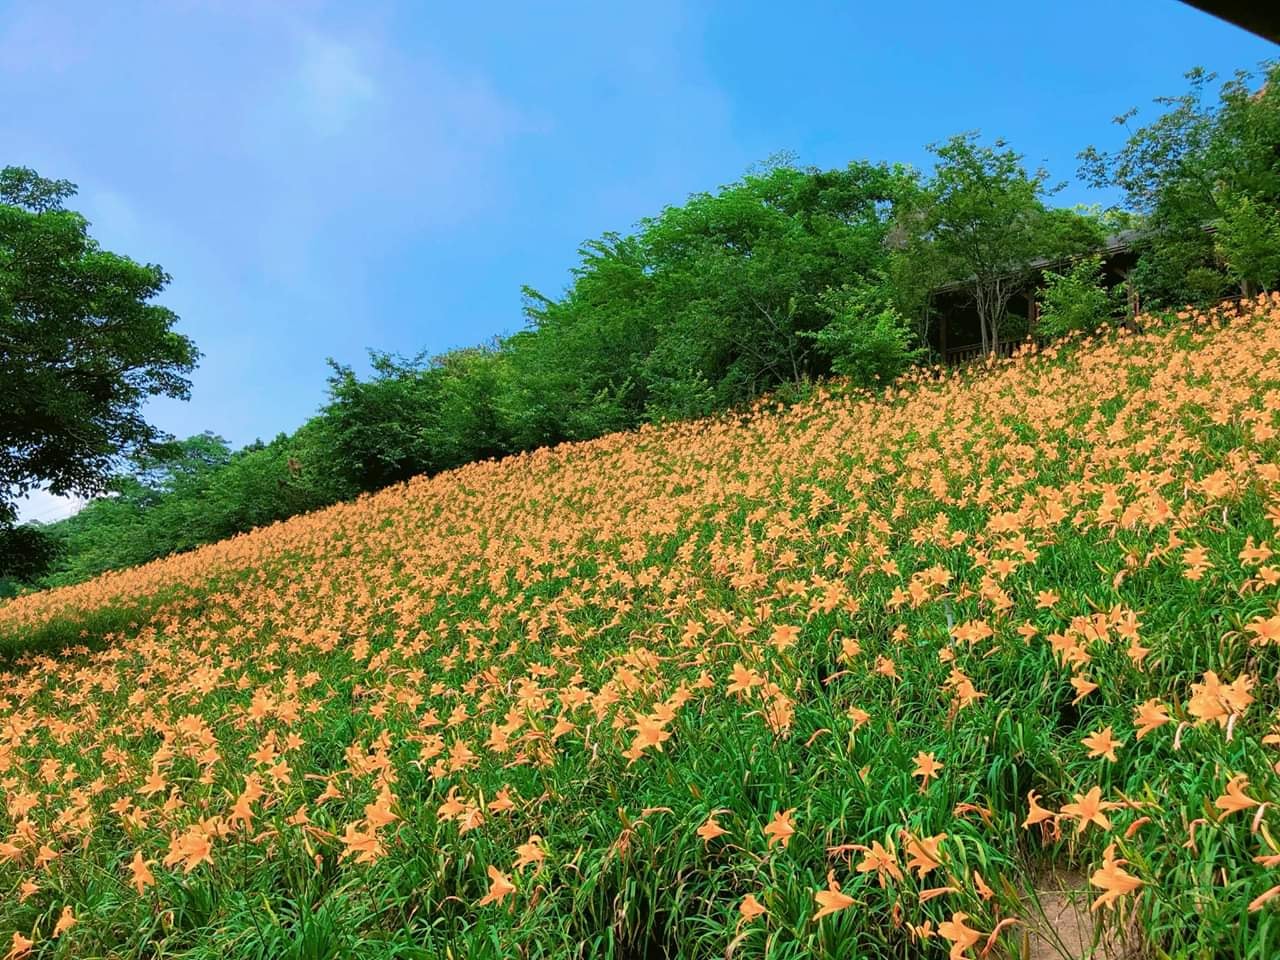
x=786, y=276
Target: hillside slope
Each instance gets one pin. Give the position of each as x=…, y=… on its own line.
x=839, y=679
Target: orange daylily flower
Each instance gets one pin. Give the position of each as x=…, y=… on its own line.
x=1102, y=743
x=710, y=830
x=1037, y=814
x=20, y=946
x=363, y=845
x=140, y=873
x=1234, y=798
x=979, y=884
x=961, y=935
x=831, y=900
x=531, y=851
x=155, y=783
x=923, y=854
x=190, y=849
x=1083, y=688
x=780, y=829
x=1265, y=631
x=1217, y=701
x=750, y=908
x=1149, y=715
x=1112, y=879
x=784, y=637
x=66, y=920
x=499, y=887
x=379, y=813
x=502, y=802
x=743, y=679
x=858, y=716
x=926, y=769
x=883, y=862
x=1087, y=808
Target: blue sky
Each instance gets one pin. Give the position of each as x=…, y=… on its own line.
x=324, y=178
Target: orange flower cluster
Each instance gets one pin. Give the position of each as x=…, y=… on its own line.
x=434, y=654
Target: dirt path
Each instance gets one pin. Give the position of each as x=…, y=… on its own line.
x=1060, y=927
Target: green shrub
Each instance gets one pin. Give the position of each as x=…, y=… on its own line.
x=867, y=339
x=1076, y=300
x=1248, y=240
x=26, y=554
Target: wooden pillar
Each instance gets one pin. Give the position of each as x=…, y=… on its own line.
x=942, y=334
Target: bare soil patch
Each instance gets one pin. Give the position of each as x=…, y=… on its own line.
x=1059, y=925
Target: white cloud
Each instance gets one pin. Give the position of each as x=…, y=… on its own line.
x=45, y=507
x=349, y=132
x=333, y=88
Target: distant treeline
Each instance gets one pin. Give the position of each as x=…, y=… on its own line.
x=783, y=277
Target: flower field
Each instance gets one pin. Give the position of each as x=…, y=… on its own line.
x=841, y=679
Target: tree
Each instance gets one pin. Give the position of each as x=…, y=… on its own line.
x=27, y=553
x=1202, y=168
x=81, y=346
x=192, y=492
x=915, y=268
x=1248, y=242
x=737, y=274
x=1076, y=300
x=707, y=305
x=986, y=220
x=385, y=429
x=575, y=371
x=868, y=339
x=156, y=504
x=473, y=424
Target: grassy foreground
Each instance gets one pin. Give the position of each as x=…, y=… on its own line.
x=840, y=680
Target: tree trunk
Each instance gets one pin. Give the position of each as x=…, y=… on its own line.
x=989, y=313
x=982, y=304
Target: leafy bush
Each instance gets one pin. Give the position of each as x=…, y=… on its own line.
x=1077, y=300
x=1013, y=326
x=1203, y=162
x=26, y=554
x=867, y=339
x=1248, y=241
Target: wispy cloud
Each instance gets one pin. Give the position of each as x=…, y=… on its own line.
x=271, y=156
x=333, y=87
x=41, y=506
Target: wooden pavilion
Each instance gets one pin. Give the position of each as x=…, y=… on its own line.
x=955, y=333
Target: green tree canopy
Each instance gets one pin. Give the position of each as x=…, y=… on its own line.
x=985, y=220
x=708, y=303
x=1204, y=166
x=81, y=346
